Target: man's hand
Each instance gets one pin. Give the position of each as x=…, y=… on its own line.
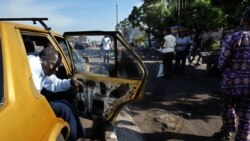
x=77, y=84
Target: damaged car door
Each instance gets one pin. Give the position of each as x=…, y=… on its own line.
x=109, y=85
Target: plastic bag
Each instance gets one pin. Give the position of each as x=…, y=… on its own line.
x=161, y=71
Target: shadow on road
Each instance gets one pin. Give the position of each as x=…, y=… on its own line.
x=193, y=96
x=165, y=136
x=193, y=92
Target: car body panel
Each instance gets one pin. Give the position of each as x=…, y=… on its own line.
x=24, y=114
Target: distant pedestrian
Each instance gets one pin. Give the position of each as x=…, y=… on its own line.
x=196, y=50
x=101, y=49
x=168, y=54
x=106, y=45
x=234, y=62
x=183, y=43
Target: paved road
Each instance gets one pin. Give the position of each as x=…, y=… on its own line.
x=190, y=99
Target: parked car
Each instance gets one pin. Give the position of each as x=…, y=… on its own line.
x=79, y=46
x=25, y=114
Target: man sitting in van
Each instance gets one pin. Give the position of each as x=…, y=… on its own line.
x=43, y=69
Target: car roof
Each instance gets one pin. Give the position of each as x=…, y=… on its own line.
x=26, y=26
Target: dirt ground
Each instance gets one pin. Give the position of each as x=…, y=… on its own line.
x=184, y=108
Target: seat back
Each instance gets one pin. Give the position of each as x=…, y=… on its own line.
x=29, y=46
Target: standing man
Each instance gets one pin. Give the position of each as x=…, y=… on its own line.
x=106, y=45
x=168, y=54
x=183, y=43
x=234, y=62
x=43, y=68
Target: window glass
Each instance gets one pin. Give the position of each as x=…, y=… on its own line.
x=107, y=56
x=80, y=62
x=63, y=45
x=1, y=76
x=34, y=44
x=127, y=65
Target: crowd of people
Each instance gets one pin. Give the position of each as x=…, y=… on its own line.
x=234, y=63
x=178, y=49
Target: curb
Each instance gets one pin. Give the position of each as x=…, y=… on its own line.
x=125, y=128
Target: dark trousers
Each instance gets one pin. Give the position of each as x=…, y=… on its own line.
x=180, y=61
x=167, y=59
x=64, y=110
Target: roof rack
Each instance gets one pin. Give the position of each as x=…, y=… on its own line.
x=40, y=20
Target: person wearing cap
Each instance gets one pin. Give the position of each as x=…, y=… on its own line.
x=234, y=62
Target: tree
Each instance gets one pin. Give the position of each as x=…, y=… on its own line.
x=202, y=16
x=152, y=17
x=232, y=9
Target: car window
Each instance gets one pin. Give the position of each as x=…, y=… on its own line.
x=80, y=62
x=116, y=60
x=35, y=43
x=1, y=76
x=64, y=47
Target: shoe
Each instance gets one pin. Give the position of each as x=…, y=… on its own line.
x=197, y=64
x=223, y=135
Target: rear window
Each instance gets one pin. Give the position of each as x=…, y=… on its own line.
x=1, y=75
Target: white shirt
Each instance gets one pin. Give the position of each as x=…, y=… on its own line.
x=51, y=83
x=106, y=42
x=169, y=44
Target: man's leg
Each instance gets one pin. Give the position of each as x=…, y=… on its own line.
x=243, y=130
x=108, y=56
x=228, y=115
x=65, y=111
x=168, y=66
x=184, y=55
x=177, y=62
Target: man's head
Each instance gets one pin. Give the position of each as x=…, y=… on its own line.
x=50, y=60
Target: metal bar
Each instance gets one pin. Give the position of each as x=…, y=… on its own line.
x=40, y=20
x=23, y=19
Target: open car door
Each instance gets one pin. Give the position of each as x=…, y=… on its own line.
x=109, y=85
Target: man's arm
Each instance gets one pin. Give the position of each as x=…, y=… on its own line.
x=225, y=53
x=54, y=84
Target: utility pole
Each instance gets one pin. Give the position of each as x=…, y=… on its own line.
x=116, y=7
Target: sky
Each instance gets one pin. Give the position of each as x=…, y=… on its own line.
x=70, y=15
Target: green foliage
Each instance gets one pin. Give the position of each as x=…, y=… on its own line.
x=202, y=16
x=152, y=17
x=215, y=45
x=232, y=9
x=199, y=15
x=140, y=39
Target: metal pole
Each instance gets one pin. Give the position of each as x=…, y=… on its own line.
x=178, y=16
x=116, y=5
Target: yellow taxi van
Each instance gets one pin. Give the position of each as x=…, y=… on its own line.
x=26, y=115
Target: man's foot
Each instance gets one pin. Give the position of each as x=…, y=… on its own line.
x=197, y=64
